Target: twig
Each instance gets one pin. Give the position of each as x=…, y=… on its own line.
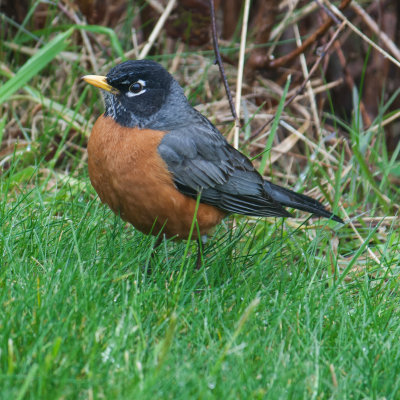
x=309, y=142
x=240, y=71
x=360, y=238
x=339, y=14
x=135, y=43
x=306, y=74
x=328, y=11
x=290, y=18
x=300, y=89
x=84, y=34
x=160, y=23
x=21, y=28
x=386, y=121
x=156, y=5
x=385, y=39
x=219, y=60
x=177, y=58
x=310, y=40
x=277, y=32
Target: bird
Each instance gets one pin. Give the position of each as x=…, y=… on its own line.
x=157, y=162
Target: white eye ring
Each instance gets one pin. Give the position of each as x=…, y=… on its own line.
x=136, y=88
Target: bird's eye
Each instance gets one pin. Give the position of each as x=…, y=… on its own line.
x=136, y=87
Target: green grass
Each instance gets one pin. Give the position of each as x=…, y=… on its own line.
x=263, y=319
x=279, y=310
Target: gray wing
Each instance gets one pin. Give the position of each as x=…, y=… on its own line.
x=203, y=162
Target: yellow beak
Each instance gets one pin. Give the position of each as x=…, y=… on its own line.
x=100, y=82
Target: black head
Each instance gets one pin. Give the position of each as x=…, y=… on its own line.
x=135, y=91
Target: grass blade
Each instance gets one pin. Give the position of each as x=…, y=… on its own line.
x=266, y=153
x=35, y=64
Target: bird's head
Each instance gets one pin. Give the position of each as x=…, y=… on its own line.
x=136, y=91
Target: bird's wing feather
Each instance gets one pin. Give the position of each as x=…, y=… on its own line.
x=202, y=161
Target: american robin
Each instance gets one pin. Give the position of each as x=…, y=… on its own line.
x=151, y=155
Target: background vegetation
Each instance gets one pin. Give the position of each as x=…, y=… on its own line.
x=294, y=308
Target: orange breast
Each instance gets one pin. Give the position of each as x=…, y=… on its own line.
x=129, y=175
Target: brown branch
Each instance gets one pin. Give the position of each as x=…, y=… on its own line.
x=302, y=86
x=279, y=62
x=219, y=60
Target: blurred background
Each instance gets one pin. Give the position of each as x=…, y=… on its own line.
x=354, y=85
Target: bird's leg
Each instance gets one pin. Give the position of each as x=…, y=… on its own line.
x=200, y=244
x=157, y=243
x=199, y=251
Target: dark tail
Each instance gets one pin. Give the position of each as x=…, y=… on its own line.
x=288, y=198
